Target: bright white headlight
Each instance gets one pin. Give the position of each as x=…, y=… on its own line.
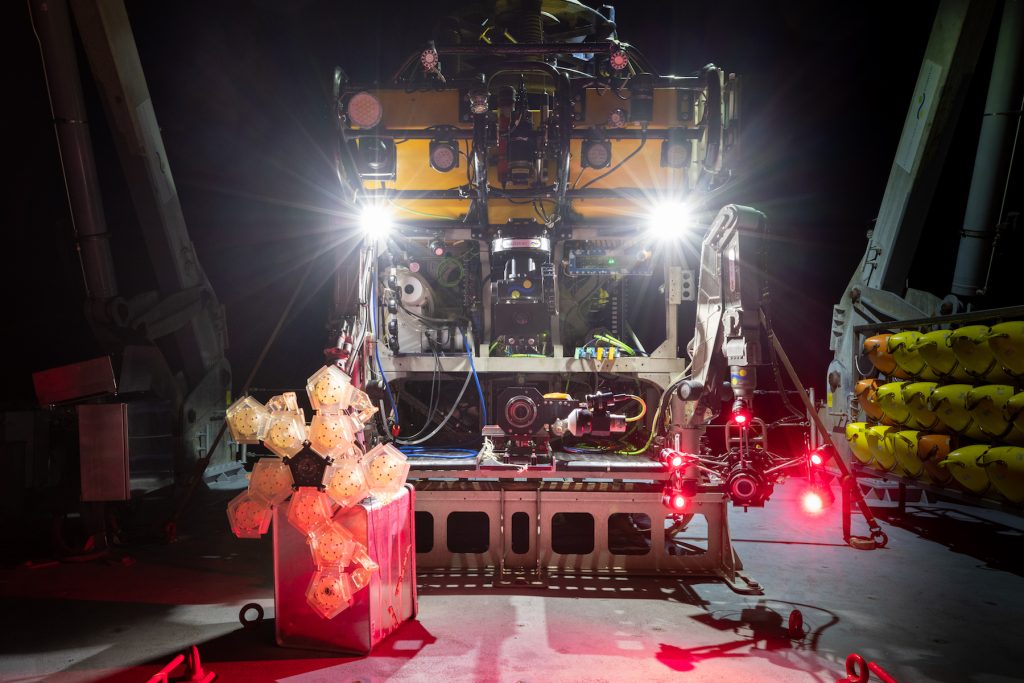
x=375, y=220
x=668, y=220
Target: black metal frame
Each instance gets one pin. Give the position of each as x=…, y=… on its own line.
x=858, y=472
x=1009, y=312
x=566, y=88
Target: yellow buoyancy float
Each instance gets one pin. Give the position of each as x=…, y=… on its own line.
x=856, y=434
x=987, y=404
x=1006, y=341
x=903, y=347
x=890, y=398
x=1014, y=411
x=934, y=348
x=916, y=396
x=963, y=465
x=903, y=447
x=1004, y=466
x=933, y=449
x=877, y=350
x=949, y=403
x=881, y=458
x=867, y=399
x=970, y=344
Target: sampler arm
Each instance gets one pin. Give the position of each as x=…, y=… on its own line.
x=727, y=329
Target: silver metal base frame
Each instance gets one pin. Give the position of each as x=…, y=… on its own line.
x=542, y=501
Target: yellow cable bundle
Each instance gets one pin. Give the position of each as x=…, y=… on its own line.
x=643, y=409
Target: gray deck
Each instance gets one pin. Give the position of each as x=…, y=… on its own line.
x=927, y=610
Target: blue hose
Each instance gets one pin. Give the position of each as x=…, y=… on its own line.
x=476, y=378
x=422, y=452
x=376, y=350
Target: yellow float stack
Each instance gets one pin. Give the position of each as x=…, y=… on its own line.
x=946, y=409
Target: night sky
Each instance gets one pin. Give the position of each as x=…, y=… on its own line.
x=241, y=92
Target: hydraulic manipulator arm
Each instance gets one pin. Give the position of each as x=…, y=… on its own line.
x=727, y=330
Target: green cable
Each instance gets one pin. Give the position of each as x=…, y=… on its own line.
x=445, y=268
x=400, y=207
x=615, y=342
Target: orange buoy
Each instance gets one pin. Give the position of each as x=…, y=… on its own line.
x=933, y=449
x=877, y=350
x=867, y=399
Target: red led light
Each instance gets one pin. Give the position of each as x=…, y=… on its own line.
x=429, y=59
x=619, y=60
x=816, y=459
x=812, y=502
x=676, y=498
x=674, y=460
x=740, y=418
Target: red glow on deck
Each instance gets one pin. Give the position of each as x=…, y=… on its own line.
x=812, y=503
